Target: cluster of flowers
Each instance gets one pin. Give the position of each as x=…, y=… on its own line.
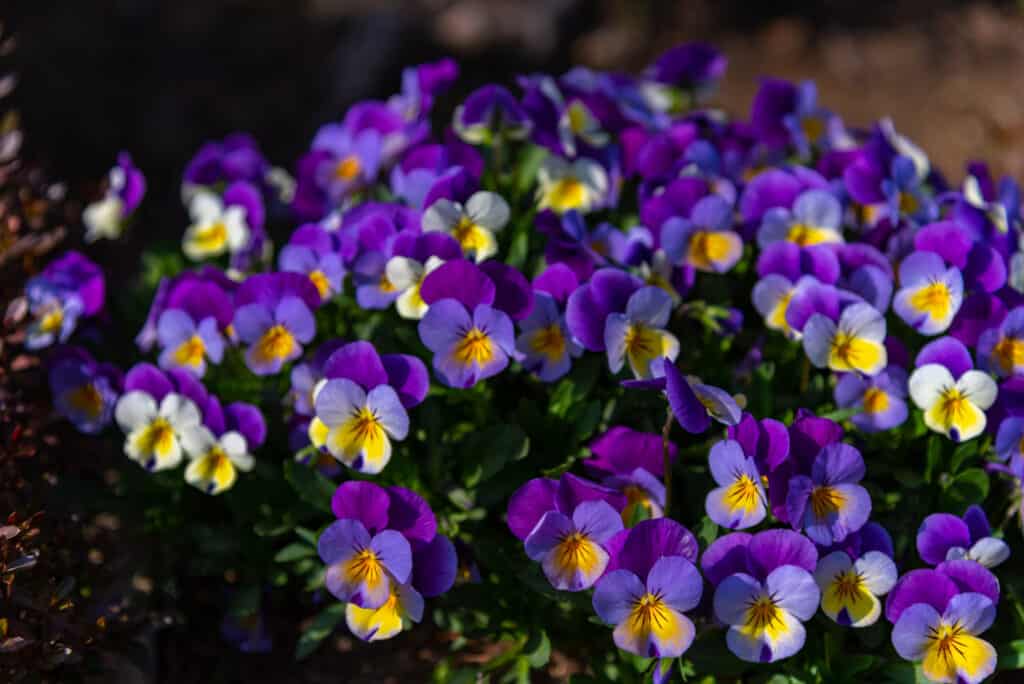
x=767, y=584
x=839, y=225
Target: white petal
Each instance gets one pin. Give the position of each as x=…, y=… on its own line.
x=135, y=409
x=989, y=551
x=197, y=441
x=180, y=411
x=403, y=272
x=878, y=572
x=979, y=388
x=830, y=566
x=442, y=216
x=488, y=209
x=205, y=207
x=927, y=384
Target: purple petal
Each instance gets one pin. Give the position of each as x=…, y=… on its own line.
x=649, y=540
x=435, y=567
x=529, y=503
x=411, y=515
x=938, y=533
x=558, y=280
x=146, y=377
x=552, y=528
x=615, y=594
x=341, y=539
x=513, y=293
x=597, y=520
x=773, y=548
x=919, y=586
x=358, y=362
x=977, y=522
x=460, y=280
x=408, y=376
x=969, y=575
x=363, y=501
x=248, y=421
x=677, y=581
x=948, y=352
x=726, y=556
x=392, y=549
x=686, y=407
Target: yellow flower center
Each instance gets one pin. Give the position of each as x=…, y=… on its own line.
x=826, y=501
x=636, y=499
x=812, y=127
x=190, y=352
x=549, y=341
x=1009, y=353
x=849, y=352
x=212, y=237
x=86, y=399
x=474, y=347
x=649, y=614
x=348, y=168
x=365, y=567
x=52, y=319
x=276, y=343
x=875, y=400
x=763, y=617
x=470, y=236
x=908, y=203
x=386, y=285
x=565, y=194
x=643, y=345
x=576, y=551
x=708, y=248
x=577, y=118
x=742, y=494
x=319, y=280
x=806, y=236
x=156, y=438
x=849, y=586
x=933, y=299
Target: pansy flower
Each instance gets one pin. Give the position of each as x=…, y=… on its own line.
x=186, y=344
x=107, y=217
x=947, y=643
x=764, y=591
x=850, y=587
x=155, y=431
x=416, y=257
x=323, y=268
x=739, y=501
x=830, y=504
x=361, y=567
x=1010, y=440
x=473, y=225
x=816, y=218
x=953, y=406
x=943, y=537
x=638, y=335
x=882, y=399
x=489, y=114
x=274, y=318
x=84, y=391
x=216, y=228
x=54, y=313
x=350, y=161
x=1001, y=349
x=581, y=185
x=544, y=341
x=855, y=343
x=705, y=241
x=693, y=403
x=633, y=463
x=215, y=461
x=571, y=549
x=538, y=496
x=930, y=294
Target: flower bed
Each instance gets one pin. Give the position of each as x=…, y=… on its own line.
x=592, y=358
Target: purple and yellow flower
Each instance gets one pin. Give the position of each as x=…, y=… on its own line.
x=943, y=537
x=357, y=426
x=954, y=407
x=538, y=496
x=739, y=501
x=323, y=268
x=216, y=228
x=706, y=240
x=771, y=296
x=638, y=335
x=930, y=294
x=351, y=159
x=855, y=343
x=572, y=550
x=693, y=403
x=1001, y=349
x=648, y=614
x=882, y=399
x=544, y=341
x=469, y=345
x=361, y=568
x=1010, y=440
x=947, y=643
x=830, y=504
x=764, y=591
x=274, y=317
x=186, y=344
x=816, y=218
x=850, y=587
x=632, y=462
x=54, y=313
x=108, y=217
x=156, y=431
x=473, y=225
x=84, y=391
x=215, y=461
x=581, y=185
x=489, y=114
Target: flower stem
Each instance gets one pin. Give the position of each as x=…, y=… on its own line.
x=665, y=430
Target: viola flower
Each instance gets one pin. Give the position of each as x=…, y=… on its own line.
x=215, y=228
x=215, y=461
x=357, y=426
x=1010, y=440
x=816, y=218
x=84, y=391
x=581, y=185
x=739, y=501
x=954, y=407
x=156, y=431
x=187, y=345
x=771, y=296
x=473, y=225
x=538, y=496
x=853, y=344
x=544, y=342
x=350, y=160
x=632, y=462
x=406, y=275
x=930, y=294
x=638, y=335
x=571, y=550
x=1001, y=349
x=648, y=614
x=274, y=318
x=108, y=217
x=324, y=269
x=764, y=591
x=882, y=399
x=468, y=346
x=488, y=115
x=362, y=568
x=693, y=403
x=943, y=537
x=850, y=588
x=830, y=504
x=54, y=311
x=705, y=241
x=947, y=643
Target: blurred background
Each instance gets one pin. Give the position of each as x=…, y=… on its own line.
x=158, y=77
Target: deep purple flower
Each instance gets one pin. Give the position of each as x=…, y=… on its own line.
x=830, y=504
x=488, y=114
x=943, y=536
x=571, y=549
x=274, y=317
x=882, y=398
x=83, y=390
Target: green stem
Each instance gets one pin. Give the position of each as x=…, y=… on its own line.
x=665, y=430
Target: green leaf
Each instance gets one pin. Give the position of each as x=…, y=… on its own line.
x=538, y=650
x=933, y=458
x=495, y=447
x=968, y=487
x=294, y=552
x=311, y=486
x=963, y=453
x=319, y=629
x=1011, y=655
x=308, y=536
